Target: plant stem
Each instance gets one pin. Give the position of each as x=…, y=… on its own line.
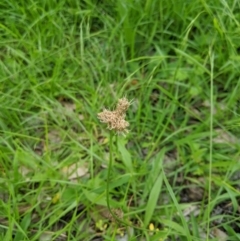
x=109, y=168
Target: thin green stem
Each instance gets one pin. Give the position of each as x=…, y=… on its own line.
x=109, y=170
x=211, y=142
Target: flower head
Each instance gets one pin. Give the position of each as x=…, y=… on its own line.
x=122, y=106
x=116, y=119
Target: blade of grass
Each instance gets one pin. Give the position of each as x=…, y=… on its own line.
x=152, y=200
x=185, y=230
x=211, y=56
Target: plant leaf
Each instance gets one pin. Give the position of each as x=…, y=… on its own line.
x=152, y=200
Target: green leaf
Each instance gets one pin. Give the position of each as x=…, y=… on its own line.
x=95, y=198
x=119, y=181
x=126, y=156
x=174, y=226
x=156, y=167
x=160, y=235
x=22, y=230
x=152, y=200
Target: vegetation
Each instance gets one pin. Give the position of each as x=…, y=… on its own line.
x=175, y=175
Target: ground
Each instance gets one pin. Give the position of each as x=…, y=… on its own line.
x=174, y=175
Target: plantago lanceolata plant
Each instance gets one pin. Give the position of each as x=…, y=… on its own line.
x=116, y=123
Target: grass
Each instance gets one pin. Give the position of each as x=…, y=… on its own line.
x=62, y=62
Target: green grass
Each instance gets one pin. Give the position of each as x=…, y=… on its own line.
x=179, y=63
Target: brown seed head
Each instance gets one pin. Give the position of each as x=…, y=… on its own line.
x=122, y=106
x=116, y=119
